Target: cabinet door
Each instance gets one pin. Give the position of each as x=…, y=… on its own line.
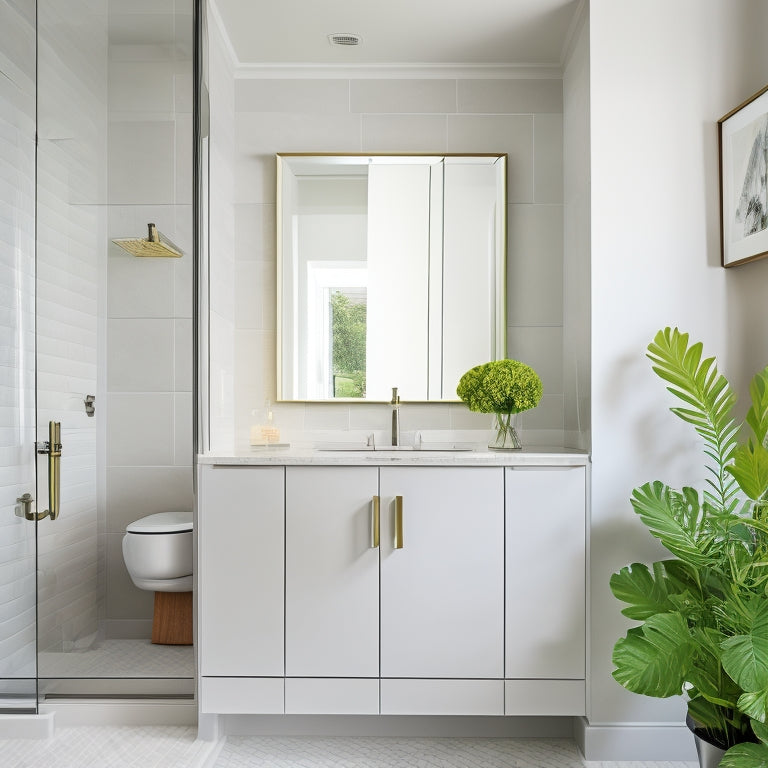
x=442, y=594
x=332, y=573
x=241, y=545
x=545, y=579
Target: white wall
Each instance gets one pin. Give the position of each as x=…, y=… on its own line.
x=661, y=75
x=148, y=344
x=520, y=117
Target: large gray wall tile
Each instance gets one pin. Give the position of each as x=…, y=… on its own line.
x=407, y=96
x=510, y=96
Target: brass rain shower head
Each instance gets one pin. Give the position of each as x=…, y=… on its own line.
x=156, y=245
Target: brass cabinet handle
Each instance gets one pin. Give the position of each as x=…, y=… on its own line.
x=398, y=522
x=375, y=521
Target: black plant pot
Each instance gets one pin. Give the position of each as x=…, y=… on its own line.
x=709, y=754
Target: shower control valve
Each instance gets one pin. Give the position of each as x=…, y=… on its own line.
x=26, y=507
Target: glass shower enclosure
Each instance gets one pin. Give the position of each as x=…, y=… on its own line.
x=96, y=375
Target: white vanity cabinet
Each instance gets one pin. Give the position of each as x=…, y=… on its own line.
x=401, y=590
x=442, y=592
x=545, y=608
x=240, y=588
x=440, y=595
x=331, y=591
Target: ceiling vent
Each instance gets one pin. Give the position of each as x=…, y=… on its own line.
x=344, y=38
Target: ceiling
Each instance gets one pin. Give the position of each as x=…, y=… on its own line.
x=398, y=32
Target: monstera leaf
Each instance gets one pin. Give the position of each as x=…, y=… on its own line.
x=745, y=659
x=653, y=659
x=671, y=587
x=676, y=519
x=745, y=756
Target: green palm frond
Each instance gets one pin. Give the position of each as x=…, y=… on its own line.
x=757, y=415
x=709, y=402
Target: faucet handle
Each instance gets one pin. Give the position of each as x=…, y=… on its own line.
x=371, y=441
x=395, y=396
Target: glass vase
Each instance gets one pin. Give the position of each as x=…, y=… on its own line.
x=505, y=435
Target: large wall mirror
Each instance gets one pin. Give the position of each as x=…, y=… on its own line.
x=391, y=273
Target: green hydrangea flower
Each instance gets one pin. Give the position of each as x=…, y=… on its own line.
x=501, y=386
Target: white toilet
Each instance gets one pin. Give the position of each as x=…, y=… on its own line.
x=157, y=551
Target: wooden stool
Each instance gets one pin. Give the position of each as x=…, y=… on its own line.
x=172, y=619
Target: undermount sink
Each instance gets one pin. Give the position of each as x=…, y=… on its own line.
x=357, y=447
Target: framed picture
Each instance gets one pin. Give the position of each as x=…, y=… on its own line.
x=743, y=141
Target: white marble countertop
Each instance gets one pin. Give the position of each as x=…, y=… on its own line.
x=535, y=456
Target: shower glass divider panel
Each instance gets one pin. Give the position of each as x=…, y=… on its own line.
x=71, y=243
x=114, y=152
x=18, y=550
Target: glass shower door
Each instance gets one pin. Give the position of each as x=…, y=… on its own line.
x=18, y=540
x=71, y=212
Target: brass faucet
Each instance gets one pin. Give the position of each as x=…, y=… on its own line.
x=395, y=403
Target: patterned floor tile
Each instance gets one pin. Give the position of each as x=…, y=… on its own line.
x=109, y=747
x=177, y=747
x=312, y=752
x=120, y=658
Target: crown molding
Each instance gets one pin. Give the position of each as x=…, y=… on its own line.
x=214, y=17
x=580, y=18
x=399, y=71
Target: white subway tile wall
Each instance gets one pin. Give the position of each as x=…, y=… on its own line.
x=148, y=404
x=520, y=117
x=114, y=127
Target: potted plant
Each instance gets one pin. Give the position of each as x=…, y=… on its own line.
x=704, y=611
x=504, y=388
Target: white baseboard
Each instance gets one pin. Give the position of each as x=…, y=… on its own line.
x=209, y=727
x=75, y=712
x=623, y=742
x=27, y=726
x=212, y=754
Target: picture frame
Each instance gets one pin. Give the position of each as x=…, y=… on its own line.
x=743, y=149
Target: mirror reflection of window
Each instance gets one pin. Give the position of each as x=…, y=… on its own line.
x=348, y=309
x=336, y=309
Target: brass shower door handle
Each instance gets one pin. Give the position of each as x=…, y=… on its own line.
x=53, y=448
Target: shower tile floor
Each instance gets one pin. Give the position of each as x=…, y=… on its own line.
x=177, y=747
x=109, y=747
x=120, y=658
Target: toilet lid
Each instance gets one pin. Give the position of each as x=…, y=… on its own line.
x=162, y=522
